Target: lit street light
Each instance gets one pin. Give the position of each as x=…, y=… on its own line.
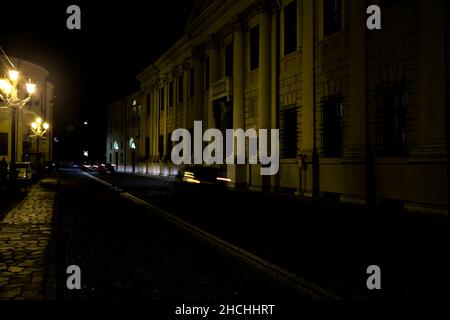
x=10, y=98
x=39, y=129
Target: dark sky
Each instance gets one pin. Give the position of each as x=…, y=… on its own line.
x=96, y=65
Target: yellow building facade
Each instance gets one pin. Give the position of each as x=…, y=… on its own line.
x=362, y=114
x=41, y=105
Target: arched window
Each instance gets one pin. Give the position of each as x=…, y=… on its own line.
x=132, y=144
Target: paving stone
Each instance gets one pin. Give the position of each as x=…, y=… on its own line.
x=9, y=294
x=24, y=235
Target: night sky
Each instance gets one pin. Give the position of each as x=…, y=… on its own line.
x=96, y=65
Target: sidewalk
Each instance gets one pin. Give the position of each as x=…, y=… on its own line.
x=24, y=236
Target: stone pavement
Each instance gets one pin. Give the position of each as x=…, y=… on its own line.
x=24, y=236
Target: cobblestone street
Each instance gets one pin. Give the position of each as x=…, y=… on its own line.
x=24, y=236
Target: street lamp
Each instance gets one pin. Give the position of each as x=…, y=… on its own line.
x=9, y=98
x=39, y=129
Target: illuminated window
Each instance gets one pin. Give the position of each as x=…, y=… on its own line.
x=116, y=145
x=132, y=144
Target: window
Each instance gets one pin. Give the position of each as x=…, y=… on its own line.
x=180, y=88
x=332, y=115
x=147, y=148
x=170, y=93
x=332, y=16
x=192, y=82
x=254, y=48
x=288, y=132
x=148, y=104
x=290, y=27
x=391, y=121
x=207, y=74
x=229, y=60
x=161, y=99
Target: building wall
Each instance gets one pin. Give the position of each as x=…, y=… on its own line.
x=41, y=105
x=349, y=69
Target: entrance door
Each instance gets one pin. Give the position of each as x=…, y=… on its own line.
x=117, y=161
x=133, y=159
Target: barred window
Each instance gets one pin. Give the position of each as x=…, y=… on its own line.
x=332, y=115
x=288, y=132
x=391, y=119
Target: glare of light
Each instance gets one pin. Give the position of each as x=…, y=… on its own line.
x=223, y=179
x=189, y=174
x=46, y=125
x=190, y=180
x=3, y=84
x=86, y=153
x=13, y=75
x=34, y=125
x=6, y=87
x=85, y=123
x=31, y=87
x=38, y=120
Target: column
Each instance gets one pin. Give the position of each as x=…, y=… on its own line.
x=238, y=173
x=358, y=162
x=432, y=136
x=213, y=43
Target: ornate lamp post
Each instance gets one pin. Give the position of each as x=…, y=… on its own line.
x=9, y=98
x=39, y=129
